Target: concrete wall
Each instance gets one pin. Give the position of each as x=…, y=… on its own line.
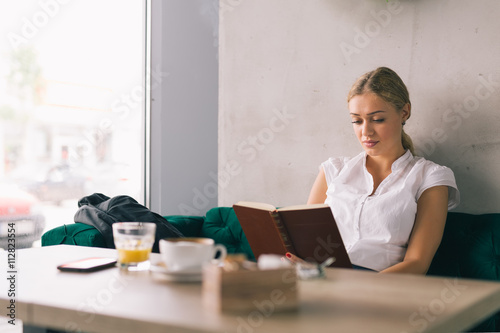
x=184, y=106
x=286, y=67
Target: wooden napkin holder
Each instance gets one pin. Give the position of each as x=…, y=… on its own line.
x=244, y=290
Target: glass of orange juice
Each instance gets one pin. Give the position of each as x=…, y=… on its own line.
x=134, y=241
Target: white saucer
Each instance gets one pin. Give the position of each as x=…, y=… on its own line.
x=185, y=275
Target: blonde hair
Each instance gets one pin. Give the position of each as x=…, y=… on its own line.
x=386, y=84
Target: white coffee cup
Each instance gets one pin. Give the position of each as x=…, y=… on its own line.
x=190, y=252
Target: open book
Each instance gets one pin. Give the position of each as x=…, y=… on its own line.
x=308, y=231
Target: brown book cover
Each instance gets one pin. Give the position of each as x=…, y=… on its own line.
x=263, y=235
x=308, y=231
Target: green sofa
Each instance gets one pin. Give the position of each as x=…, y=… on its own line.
x=220, y=224
x=470, y=247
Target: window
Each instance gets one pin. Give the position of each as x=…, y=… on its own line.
x=72, y=107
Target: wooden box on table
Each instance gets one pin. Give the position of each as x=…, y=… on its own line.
x=241, y=290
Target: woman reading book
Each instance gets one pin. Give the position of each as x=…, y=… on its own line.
x=390, y=205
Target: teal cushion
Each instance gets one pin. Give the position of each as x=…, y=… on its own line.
x=74, y=234
x=189, y=226
x=482, y=256
x=470, y=247
x=222, y=225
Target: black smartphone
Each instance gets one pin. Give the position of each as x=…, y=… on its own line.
x=87, y=265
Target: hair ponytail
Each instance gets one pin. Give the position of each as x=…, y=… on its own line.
x=407, y=142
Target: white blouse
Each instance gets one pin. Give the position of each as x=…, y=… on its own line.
x=376, y=228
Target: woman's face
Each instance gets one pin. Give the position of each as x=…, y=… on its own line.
x=378, y=125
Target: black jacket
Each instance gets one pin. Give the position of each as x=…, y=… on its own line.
x=101, y=212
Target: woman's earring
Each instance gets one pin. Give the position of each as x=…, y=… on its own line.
x=404, y=123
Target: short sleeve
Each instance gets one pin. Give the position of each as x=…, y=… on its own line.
x=332, y=167
x=438, y=175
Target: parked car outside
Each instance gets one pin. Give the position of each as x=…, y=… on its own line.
x=61, y=182
x=19, y=217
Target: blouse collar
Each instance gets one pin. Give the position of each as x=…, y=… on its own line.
x=401, y=162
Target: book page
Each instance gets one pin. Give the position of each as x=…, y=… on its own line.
x=303, y=207
x=256, y=205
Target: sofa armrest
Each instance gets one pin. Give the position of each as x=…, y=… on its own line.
x=86, y=235
x=74, y=234
x=222, y=225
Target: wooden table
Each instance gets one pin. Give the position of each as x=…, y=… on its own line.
x=346, y=301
